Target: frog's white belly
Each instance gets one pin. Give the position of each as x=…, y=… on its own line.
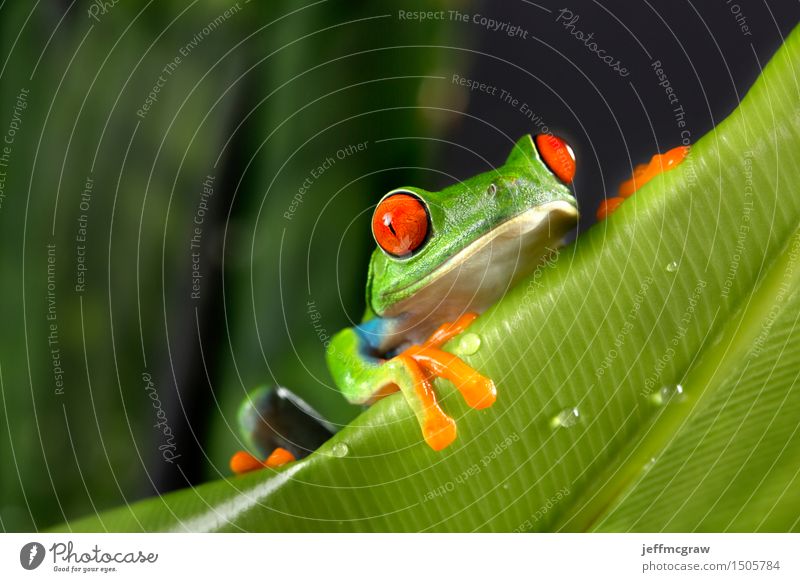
x=481, y=273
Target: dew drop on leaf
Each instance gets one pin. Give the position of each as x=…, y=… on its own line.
x=469, y=344
x=566, y=418
x=667, y=394
x=340, y=450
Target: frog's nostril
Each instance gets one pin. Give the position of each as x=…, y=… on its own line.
x=491, y=190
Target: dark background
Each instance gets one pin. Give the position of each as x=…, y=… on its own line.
x=611, y=122
x=259, y=103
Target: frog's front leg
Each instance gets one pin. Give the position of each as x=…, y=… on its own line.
x=364, y=377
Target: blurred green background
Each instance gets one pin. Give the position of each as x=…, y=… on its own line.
x=154, y=142
x=261, y=95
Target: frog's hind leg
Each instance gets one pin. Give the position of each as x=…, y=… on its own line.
x=279, y=427
x=642, y=174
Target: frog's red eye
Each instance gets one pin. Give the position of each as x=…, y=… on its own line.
x=400, y=224
x=558, y=156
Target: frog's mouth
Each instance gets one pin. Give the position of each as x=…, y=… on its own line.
x=478, y=275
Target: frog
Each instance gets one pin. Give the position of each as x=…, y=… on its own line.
x=442, y=259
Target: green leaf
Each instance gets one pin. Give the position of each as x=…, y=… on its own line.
x=692, y=283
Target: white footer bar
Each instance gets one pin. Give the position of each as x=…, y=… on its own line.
x=406, y=558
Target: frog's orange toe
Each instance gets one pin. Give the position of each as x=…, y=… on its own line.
x=608, y=206
x=642, y=174
x=658, y=164
x=278, y=458
x=482, y=392
x=243, y=462
x=439, y=431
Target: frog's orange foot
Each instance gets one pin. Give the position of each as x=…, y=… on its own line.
x=427, y=361
x=642, y=174
x=244, y=462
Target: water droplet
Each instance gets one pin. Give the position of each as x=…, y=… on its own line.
x=340, y=450
x=468, y=344
x=649, y=464
x=667, y=394
x=506, y=485
x=566, y=418
x=672, y=266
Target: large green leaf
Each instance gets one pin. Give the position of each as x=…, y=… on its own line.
x=692, y=283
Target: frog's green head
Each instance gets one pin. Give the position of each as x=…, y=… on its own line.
x=461, y=248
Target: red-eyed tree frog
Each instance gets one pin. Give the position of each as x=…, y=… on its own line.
x=442, y=259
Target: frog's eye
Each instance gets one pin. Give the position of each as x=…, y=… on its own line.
x=558, y=156
x=400, y=224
